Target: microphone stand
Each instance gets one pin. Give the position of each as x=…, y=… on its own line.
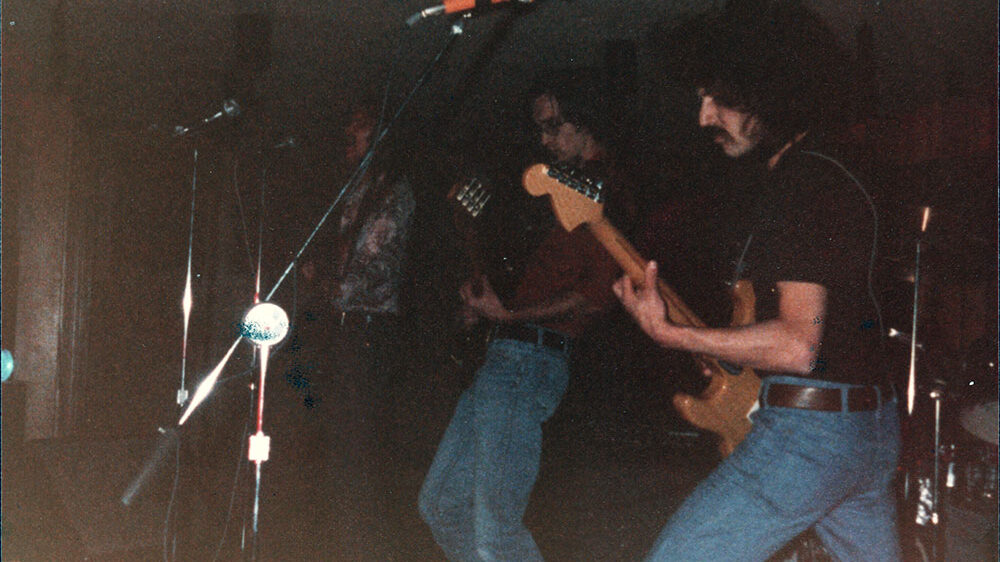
x=205, y=388
x=259, y=446
x=457, y=29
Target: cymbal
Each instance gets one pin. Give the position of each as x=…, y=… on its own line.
x=981, y=420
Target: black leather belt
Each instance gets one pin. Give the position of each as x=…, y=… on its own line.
x=532, y=334
x=859, y=398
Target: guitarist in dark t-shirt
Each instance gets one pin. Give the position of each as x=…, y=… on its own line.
x=824, y=442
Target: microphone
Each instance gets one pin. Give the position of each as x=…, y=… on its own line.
x=455, y=6
x=230, y=109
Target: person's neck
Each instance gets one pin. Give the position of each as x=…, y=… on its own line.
x=592, y=150
x=772, y=162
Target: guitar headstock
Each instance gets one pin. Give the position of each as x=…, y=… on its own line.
x=576, y=199
x=470, y=195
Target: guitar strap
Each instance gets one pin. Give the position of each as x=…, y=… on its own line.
x=741, y=264
x=874, y=251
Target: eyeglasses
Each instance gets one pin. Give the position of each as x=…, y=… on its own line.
x=551, y=126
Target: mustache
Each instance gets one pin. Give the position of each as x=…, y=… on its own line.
x=712, y=132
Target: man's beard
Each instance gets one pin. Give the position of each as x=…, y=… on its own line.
x=766, y=147
x=718, y=135
x=764, y=144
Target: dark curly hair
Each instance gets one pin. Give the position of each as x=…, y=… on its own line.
x=583, y=99
x=776, y=60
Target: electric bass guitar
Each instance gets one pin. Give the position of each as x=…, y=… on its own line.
x=723, y=406
x=468, y=199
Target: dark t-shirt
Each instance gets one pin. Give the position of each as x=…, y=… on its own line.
x=576, y=261
x=568, y=261
x=814, y=224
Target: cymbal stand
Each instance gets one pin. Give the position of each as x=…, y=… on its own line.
x=911, y=385
x=928, y=500
x=928, y=496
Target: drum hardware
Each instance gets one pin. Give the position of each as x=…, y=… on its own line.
x=926, y=486
x=980, y=420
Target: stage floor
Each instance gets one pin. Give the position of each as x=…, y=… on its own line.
x=615, y=465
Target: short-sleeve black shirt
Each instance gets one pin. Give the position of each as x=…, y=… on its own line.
x=814, y=224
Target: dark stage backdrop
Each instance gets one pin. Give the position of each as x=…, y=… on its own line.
x=98, y=194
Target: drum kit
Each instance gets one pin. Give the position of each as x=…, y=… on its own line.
x=949, y=468
x=949, y=471
x=947, y=492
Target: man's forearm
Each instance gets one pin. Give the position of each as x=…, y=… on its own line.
x=562, y=306
x=773, y=345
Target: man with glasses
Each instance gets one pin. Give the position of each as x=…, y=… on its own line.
x=477, y=489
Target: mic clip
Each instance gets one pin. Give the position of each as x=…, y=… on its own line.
x=230, y=109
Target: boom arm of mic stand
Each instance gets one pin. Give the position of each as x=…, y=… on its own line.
x=205, y=387
x=456, y=29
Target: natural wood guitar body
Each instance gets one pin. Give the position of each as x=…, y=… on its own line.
x=723, y=406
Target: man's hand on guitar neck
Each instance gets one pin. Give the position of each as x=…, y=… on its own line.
x=643, y=301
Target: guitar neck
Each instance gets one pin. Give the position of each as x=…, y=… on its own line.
x=635, y=267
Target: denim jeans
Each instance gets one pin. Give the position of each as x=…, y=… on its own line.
x=477, y=489
x=796, y=469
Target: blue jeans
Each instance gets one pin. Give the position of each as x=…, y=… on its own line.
x=477, y=489
x=795, y=470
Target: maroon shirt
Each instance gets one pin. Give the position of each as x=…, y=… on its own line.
x=568, y=261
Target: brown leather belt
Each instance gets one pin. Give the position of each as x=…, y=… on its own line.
x=859, y=398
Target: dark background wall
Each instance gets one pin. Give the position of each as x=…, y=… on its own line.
x=97, y=192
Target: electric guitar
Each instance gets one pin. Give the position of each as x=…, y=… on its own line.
x=723, y=406
x=468, y=199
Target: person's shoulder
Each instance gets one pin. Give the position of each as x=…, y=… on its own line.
x=819, y=157
x=400, y=196
x=817, y=172
x=807, y=163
